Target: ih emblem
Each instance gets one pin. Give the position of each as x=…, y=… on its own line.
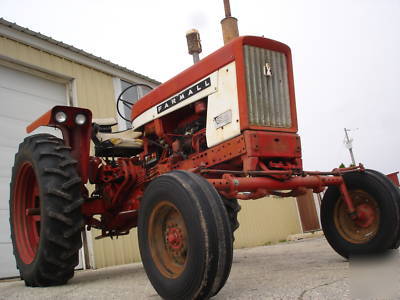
x=267, y=70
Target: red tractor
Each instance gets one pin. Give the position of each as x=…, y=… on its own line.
x=222, y=130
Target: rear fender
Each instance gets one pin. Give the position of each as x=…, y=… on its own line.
x=75, y=136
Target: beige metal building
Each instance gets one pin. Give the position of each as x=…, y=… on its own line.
x=38, y=72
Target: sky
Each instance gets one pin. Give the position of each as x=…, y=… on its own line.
x=345, y=56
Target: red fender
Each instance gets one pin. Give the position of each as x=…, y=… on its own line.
x=75, y=136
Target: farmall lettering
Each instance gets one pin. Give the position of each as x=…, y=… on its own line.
x=184, y=95
x=178, y=175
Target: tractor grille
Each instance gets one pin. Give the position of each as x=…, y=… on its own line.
x=267, y=94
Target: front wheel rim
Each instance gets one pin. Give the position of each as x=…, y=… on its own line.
x=168, y=239
x=365, y=227
x=26, y=213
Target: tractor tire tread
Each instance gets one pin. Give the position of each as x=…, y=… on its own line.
x=46, y=154
x=207, y=219
x=56, y=171
x=74, y=205
x=61, y=219
x=76, y=228
x=39, y=142
x=386, y=236
x=59, y=193
x=68, y=162
x=71, y=251
x=70, y=183
x=233, y=208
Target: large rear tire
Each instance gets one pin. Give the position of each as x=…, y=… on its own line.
x=45, y=216
x=185, y=237
x=232, y=208
x=378, y=229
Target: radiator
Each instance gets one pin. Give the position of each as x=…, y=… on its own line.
x=267, y=87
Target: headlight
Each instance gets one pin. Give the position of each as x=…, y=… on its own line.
x=61, y=117
x=80, y=119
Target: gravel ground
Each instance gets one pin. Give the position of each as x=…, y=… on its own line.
x=306, y=269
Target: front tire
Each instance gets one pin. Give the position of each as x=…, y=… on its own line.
x=377, y=231
x=395, y=194
x=185, y=237
x=45, y=216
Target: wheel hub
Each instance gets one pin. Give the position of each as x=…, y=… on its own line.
x=174, y=237
x=366, y=215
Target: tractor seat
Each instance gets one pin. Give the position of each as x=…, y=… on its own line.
x=126, y=138
x=115, y=144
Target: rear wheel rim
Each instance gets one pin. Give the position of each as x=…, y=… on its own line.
x=26, y=213
x=365, y=227
x=168, y=239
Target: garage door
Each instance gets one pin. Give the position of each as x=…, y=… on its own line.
x=23, y=97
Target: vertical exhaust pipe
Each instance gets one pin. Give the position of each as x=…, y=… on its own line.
x=229, y=24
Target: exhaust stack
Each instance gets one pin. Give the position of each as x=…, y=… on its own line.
x=229, y=24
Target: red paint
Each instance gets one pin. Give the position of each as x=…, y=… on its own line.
x=174, y=238
x=233, y=51
x=366, y=215
x=75, y=136
x=394, y=178
x=248, y=184
x=25, y=198
x=260, y=161
x=272, y=144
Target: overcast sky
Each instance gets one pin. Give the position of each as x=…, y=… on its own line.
x=345, y=53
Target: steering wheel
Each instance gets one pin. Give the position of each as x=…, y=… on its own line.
x=127, y=103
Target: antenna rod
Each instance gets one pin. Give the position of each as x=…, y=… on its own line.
x=349, y=142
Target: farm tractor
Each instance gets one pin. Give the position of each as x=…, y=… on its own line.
x=223, y=129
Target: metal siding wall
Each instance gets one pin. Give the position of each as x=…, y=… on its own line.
x=95, y=91
x=267, y=220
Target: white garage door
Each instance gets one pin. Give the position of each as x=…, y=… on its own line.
x=23, y=98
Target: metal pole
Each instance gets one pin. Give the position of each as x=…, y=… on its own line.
x=350, y=148
x=227, y=8
x=196, y=57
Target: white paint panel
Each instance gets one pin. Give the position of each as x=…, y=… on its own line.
x=225, y=99
x=23, y=98
x=152, y=114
